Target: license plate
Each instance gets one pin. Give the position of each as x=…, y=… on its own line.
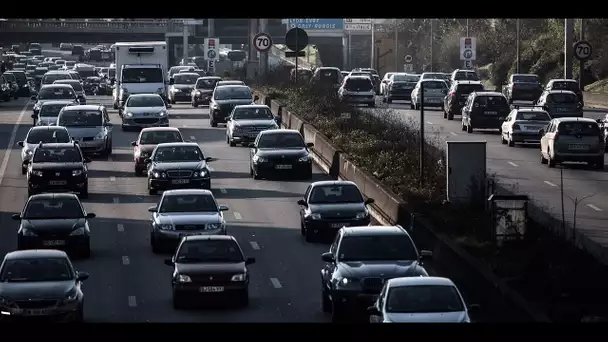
x=433, y=100
x=253, y=135
x=58, y=182
x=578, y=147
x=283, y=167
x=211, y=289
x=338, y=225
x=562, y=109
x=36, y=312
x=491, y=113
x=49, y=243
x=180, y=181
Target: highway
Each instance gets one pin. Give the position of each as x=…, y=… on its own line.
x=519, y=168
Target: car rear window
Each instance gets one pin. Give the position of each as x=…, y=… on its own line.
x=405, y=78
x=572, y=86
x=562, y=98
x=491, y=101
x=579, y=128
x=466, y=76
x=468, y=88
x=526, y=79
x=358, y=84
x=329, y=75
x=533, y=116
x=434, y=85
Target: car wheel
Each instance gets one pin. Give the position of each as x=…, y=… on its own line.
x=411, y=105
x=550, y=161
x=255, y=175
x=543, y=160
x=79, y=317
x=502, y=139
x=463, y=127
x=212, y=123
x=178, y=303
x=302, y=228
x=155, y=247
x=388, y=100
x=124, y=128
x=511, y=143
x=309, y=235
x=469, y=128
x=152, y=192
x=85, y=253
x=173, y=101
x=325, y=301
x=599, y=165
x=115, y=105
x=194, y=104
x=445, y=115
x=23, y=170
x=231, y=143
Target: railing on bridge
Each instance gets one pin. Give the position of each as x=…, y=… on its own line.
x=101, y=26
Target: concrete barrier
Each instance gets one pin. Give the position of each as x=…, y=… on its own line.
x=276, y=108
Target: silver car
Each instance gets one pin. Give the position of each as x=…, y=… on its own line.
x=49, y=111
x=144, y=110
x=90, y=126
x=357, y=90
x=435, y=92
x=37, y=135
x=247, y=121
x=78, y=89
x=54, y=92
x=185, y=212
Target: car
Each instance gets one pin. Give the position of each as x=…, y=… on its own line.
x=357, y=90
x=561, y=103
x=21, y=81
x=19, y=66
x=522, y=126
x=178, y=165
x=484, y=110
x=78, y=89
x=435, y=91
x=360, y=260
x=603, y=123
x=457, y=96
x=58, y=167
x=37, y=135
x=209, y=266
x=54, y=67
x=49, y=111
x=92, y=86
x=432, y=76
x=385, y=81
x=523, y=87
x=572, y=140
x=464, y=75
x=53, y=92
x=54, y=75
x=65, y=47
x=56, y=221
x=326, y=77
x=182, y=213
x=446, y=77
x=328, y=206
x=12, y=84
x=182, y=86
x=420, y=300
x=69, y=65
x=399, y=87
x=60, y=62
x=280, y=152
x=75, y=75
x=247, y=121
x=25, y=275
x=147, y=141
x=90, y=126
x=375, y=77
x=565, y=84
x=176, y=69
x=203, y=89
x=229, y=83
x=35, y=48
x=225, y=98
x=5, y=90
x=144, y=110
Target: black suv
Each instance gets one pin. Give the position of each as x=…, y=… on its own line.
x=58, y=167
x=457, y=96
x=523, y=87
x=225, y=98
x=484, y=110
x=358, y=263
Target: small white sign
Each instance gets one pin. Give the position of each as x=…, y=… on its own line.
x=408, y=67
x=358, y=27
x=357, y=21
x=194, y=22
x=211, y=48
x=262, y=42
x=407, y=58
x=211, y=66
x=468, y=64
x=468, y=48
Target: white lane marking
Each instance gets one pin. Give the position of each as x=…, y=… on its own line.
x=254, y=245
x=238, y=216
x=125, y=260
x=11, y=142
x=192, y=137
x=115, y=200
x=120, y=227
x=512, y=164
x=276, y=283
x=550, y=184
x=110, y=158
x=184, y=126
x=112, y=179
x=210, y=168
x=222, y=190
x=594, y=207
x=428, y=122
x=177, y=116
x=132, y=301
x=454, y=134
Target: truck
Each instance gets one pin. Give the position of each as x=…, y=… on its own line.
x=141, y=68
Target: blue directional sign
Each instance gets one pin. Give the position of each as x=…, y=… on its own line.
x=211, y=54
x=317, y=24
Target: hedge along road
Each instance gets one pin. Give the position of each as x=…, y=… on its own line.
x=519, y=169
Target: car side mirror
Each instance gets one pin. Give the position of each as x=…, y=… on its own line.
x=302, y=203
x=169, y=262
x=20, y=143
x=210, y=159
x=171, y=81
x=328, y=257
x=91, y=215
x=373, y=311
x=152, y=209
x=33, y=97
x=147, y=160
x=255, y=98
x=82, y=276
x=223, y=207
x=370, y=201
x=133, y=143
x=424, y=254
x=16, y=217
x=87, y=160
x=250, y=261
x=309, y=145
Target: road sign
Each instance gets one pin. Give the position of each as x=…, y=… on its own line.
x=262, y=42
x=360, y=25
x=211, y=66
x=468, y=64
x=408, y=67
x=582, y=50
x=468, y=48
x=211, y=46
x=193, y=22
x=407, y=58
x=317, y=24
x=296, y=39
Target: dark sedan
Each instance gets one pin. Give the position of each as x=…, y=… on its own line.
x=330, y=205
x=43, y=284
x=208, y=266
x=22, y=83
x=280, y=151
x=181, y=87
x=148, y=139
x=203, y=90
x=56, y=221
x=224, y=99
x=177, y=166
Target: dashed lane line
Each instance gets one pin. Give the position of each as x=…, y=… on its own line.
x=192, y=137
x=125, y=260
x=454, y=134
x=550, y=184
x=11, y=142
x=429, y=123
x=112, y=179
x=120, y=227
x=222, y=190
x=132, y=301
x=237, y=216
x=512, y=164
x=115, y=200
x=276, y=283
x=594, y=207
x=254, y=245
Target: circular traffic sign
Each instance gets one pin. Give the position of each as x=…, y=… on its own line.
x=467, y=54
x=408, y=58
x=262, y=42
x=296, y=39
x=211, y=54
x=582, y=50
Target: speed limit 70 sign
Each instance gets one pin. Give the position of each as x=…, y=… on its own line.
x=262, y=42
x=582, y=50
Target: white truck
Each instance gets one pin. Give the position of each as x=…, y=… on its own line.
x=141, y=67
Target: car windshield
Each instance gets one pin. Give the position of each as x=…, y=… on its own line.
x=466, y=76
x=358, y=84
x=423, y=299
x=112, y=73
x=57, y=155
x=185, y=79
x=579, y=128
x=252, y=114
x=330, y=76
x=491, y=101
x=525, y=79
x=174, y=70
x=145, y=101
x=209, y=251
x=51, y=110
x=235, y=93
x=59, y=93
x=206, y=83
x=10, y=77
x=178, y=154
x=405, y=78
x=40, y=71
x=20, y=76
x=533, y=116
x=86, y=72
x=562, y=98
x=159, y=137
x=366, y=74
x=188, y=204
x=142, y=75
x=468, y=88
x=48, y=136
x=56, y=208
x=328, y=194
x=80, y=118
x=49, y=79
x=376, y=247
x=75, y=85
x=36, y=270
x=280, y=140
x=563, y=85
x=70, y=63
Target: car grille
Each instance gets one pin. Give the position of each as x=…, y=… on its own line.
x=255, y=128
x=227, y=109
x=36, y=304
x=338, y=216
x=373, y=284
x=50, y=174
x=283, y=160
x=190, y=227
x=87, y=139
x=211, y=279
x=179, y=173
x=145, y=121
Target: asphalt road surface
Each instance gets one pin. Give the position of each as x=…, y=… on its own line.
x=519, y=168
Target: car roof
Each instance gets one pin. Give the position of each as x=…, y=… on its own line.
x=160, y=129
x=56, y=85
x=488, y=93
x=360, y=77
x=232, y=82
x=373, y=230
x=209, y=78
x=572, y=119
x=420, y=281
x=280, y=131
x=83, y=107
x=210, y=238
x=56, y=102
x=52, y=195
x=48, y=128
x=145, y=95
x=563, y=80
x=188, y=73
x=525, y=75
x=66, y=81
x=231, y=85
x=178, y=144
x=468, y=82
x=188, y=192
x=464, y=70
x=57, y=72
x=252, y=106
x=35, y=254
x=58, y=145
x=332, y=182
x=560, y=91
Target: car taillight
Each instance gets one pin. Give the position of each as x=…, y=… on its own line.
x=516, y=127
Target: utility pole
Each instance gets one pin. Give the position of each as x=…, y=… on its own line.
x=421, y=134
x=264, y=55
x=468, y=27
x=253, y=30
x=185, y=42
x=432, y=45
x=350, y=50
x=568, y=28
x=396, y=53
x=373, y=45
x=210, y=28
x=517, y=46
x=582, y=62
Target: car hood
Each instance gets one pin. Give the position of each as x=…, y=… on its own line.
x=59, y=226
x=211, y=268
x=431, y=317
x=279, y=152
x=188, y=218
x=56, y=166
x=47, y=120
x=342, y=208
x=144, y=110
x=78, y=132
x=248, y=123
x=183, y=86
x=36, y=290
x=380, y=269
x=179, y=166
x=234, y=102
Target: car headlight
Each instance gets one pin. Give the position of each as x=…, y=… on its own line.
x=258, y=159
x=157, y=174
x=214, y=225
x=27, y=232
x=70, y=297
x=348, y=282
x=160, y=91
x=162, y=114
x=100, y=136
x=182, y=278
x=201, y=173
x=76, y=172
x=78, y=231
x=315, y=216
x=29, y=152
x=144, y=154
x=237, y=128
x=128, y=114
x=198, y=93
x=362, y=215
x=304, y=159
x=175, y=90
x=239, y=277
x=37, y=173
x=166, y=226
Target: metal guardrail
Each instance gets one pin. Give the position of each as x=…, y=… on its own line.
x=101, y=26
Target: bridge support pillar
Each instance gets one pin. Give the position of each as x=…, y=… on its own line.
x=263, y=55
x=345, y=51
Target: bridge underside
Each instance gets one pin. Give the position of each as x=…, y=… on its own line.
x=78, y=37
